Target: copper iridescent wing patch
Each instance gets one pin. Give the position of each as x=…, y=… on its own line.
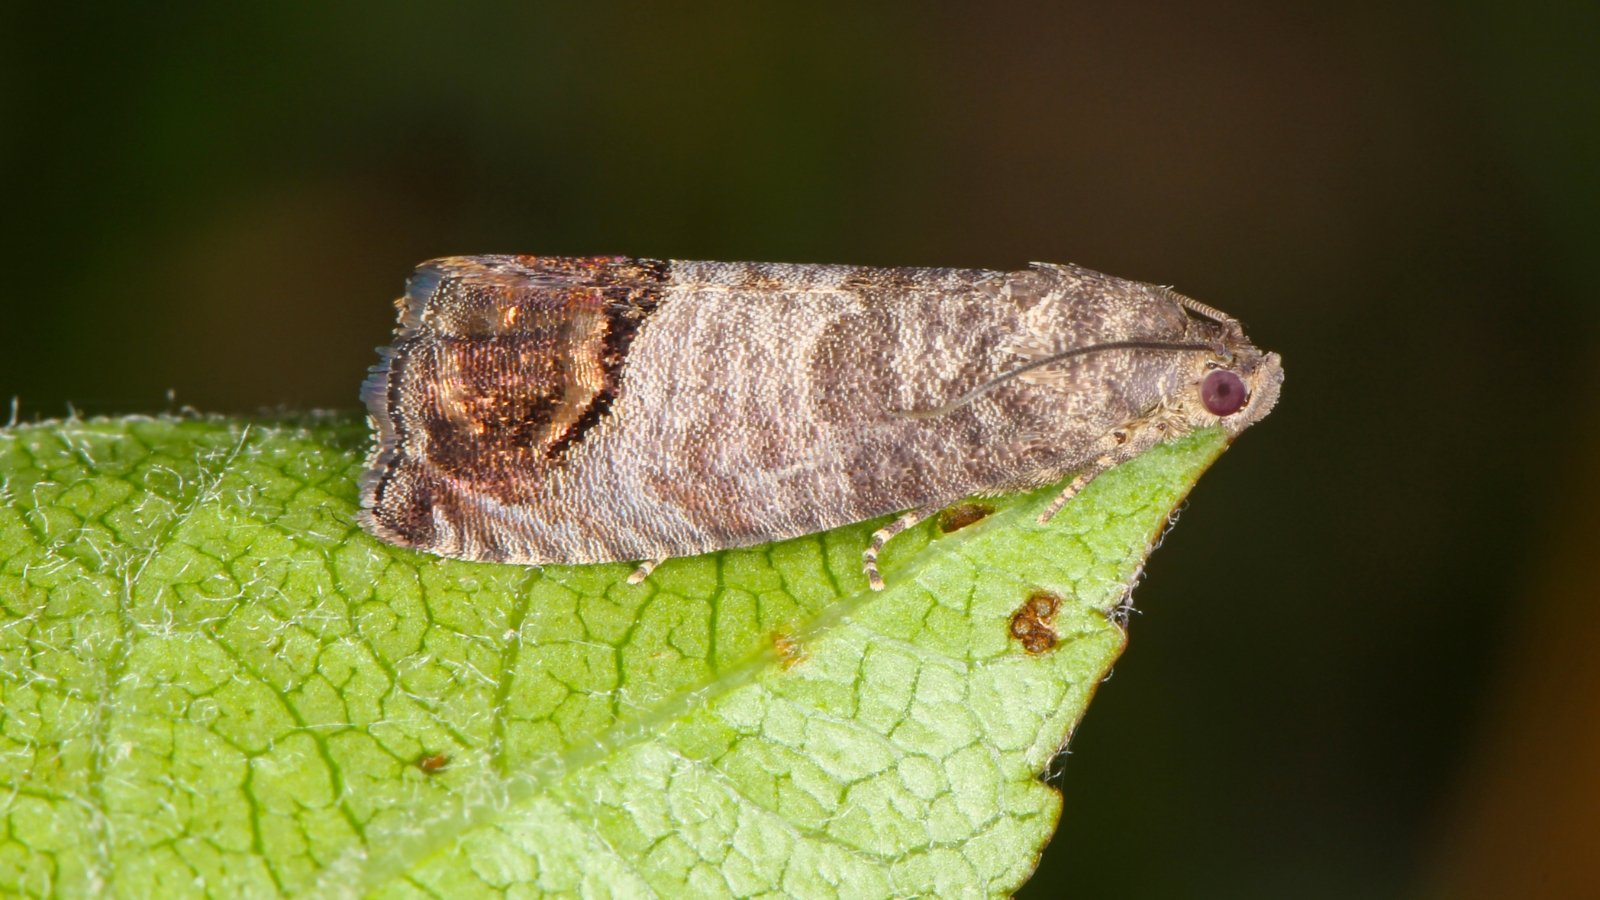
x=502, y=364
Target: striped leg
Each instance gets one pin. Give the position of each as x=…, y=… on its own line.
x=644, y=570
x=869, y=559
x=1082, y=481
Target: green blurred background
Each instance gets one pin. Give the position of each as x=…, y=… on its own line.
x=1367, y=664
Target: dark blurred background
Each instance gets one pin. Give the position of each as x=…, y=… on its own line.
x=1367, y=664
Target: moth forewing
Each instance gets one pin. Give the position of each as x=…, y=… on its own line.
x=579, y=410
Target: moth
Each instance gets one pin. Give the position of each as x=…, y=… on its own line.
x=545, y=410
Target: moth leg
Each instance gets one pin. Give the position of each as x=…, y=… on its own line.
x=869, y=559
x=644, y=570
x=1090, y=473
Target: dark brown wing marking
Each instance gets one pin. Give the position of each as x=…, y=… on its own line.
x=501, y=366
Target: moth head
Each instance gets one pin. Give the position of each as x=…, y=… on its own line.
x=1236, y=393
x=1233, y=384
x=1171, y=358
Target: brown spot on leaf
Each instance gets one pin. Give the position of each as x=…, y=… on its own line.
x=963, y=514
x=432, y=764
x=1033, y=624
x=790, y=653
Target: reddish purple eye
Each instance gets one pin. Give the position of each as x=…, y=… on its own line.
x=1223, y=393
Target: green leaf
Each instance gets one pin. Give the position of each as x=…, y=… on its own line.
x=215, y=683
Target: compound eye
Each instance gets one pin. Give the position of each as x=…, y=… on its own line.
x=1223, y=393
